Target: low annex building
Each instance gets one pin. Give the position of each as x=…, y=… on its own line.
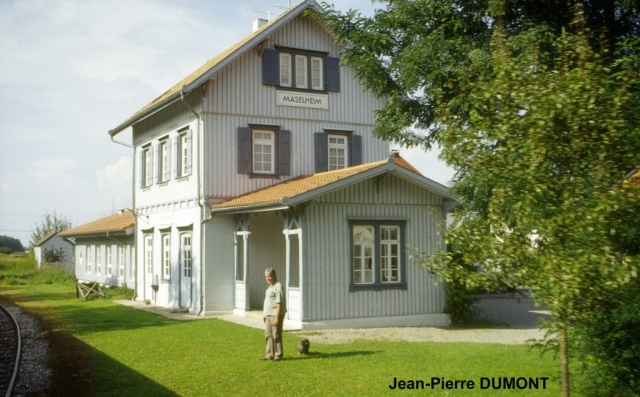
x=104, y=249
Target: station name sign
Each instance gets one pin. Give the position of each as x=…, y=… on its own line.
x=302, y=99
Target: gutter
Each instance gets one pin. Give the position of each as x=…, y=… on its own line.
x=201, y=204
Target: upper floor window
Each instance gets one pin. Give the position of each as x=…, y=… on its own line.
x=301, y=70
x=336, y=149
x=264, y=150
x=146, y=166
x=164, y=161
x=184, y=153
x=338, y=152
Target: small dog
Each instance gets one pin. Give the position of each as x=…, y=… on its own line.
x=303, y=347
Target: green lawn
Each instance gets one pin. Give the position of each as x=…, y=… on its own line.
x=105, y=349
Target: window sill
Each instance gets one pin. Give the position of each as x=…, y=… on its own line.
x=264, y=176
x=377, y=287
x=165, y=281
x=307, y=90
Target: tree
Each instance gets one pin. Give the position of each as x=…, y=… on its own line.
x=416, y=52
x=538, y=116
x=13, y=243
x=49, y=223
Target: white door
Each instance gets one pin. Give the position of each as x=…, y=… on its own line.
x=186, y=266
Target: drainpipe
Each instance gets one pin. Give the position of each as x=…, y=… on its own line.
x=135, y=225
x=201, y=199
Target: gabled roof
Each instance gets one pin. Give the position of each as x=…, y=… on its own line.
x=209, y=69
x=308, y=187
x=44, y=239
x=115, y=223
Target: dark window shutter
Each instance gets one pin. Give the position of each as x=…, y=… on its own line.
x=333, y=74
x=284, y=152
x=270, y=60
x=141, y=167
x=189, y=159
x=175, y=154
x=321, y=152
x=150, y=172
x=244, y=150
x=167, y=170
x=356, y=150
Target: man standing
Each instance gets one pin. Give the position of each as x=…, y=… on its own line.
x=274, y=309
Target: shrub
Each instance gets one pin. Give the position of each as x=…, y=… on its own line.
x=6, y=250
x=609, y=345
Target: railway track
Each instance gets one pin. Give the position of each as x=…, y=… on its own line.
x=10, y=347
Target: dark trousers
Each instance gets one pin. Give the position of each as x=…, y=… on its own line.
x=273, y=337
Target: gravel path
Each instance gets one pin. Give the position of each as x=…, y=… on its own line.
x=515, y=318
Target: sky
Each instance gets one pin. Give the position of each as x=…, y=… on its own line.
x=71, y=70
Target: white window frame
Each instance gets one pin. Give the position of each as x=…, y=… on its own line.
x=147, y=166
x=89, y=258
x=163, y=160
x=364, y=252
x=387, y=257
x=166, y=256
x=301, y=71
x=317, y=73
x=148, y=253
x=183, y=153
x=121, y=261
x=384, y=265
x=98, y=260
x=259, y=144
x=186, y=257
x=285, y=69
x=338, y=147
x=109, y=261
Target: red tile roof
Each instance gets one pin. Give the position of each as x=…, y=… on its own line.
x=294, y=187
x=111, y=223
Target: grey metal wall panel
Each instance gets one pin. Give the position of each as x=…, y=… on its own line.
x=329, y=250
x=237, y=97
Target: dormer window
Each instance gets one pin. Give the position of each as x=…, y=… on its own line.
x=300, y=70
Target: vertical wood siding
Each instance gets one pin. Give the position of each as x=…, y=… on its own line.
x=328, y=239
x=237, y=97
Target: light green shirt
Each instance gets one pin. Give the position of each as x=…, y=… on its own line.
x=273, y=296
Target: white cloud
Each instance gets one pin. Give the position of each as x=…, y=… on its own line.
x=429, y=164
x=116, y=177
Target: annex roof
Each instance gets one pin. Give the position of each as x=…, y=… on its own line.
x=110, y=224
x=305, y=188
x=209, y=69
x=44, y=239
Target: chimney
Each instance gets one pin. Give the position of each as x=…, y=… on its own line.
x=258, y=23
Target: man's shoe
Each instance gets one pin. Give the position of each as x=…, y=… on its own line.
x=277, y=359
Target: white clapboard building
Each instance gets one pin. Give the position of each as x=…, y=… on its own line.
x=264, y=157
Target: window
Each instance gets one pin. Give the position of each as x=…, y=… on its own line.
x=89, y=258
x=335, y=149
x=285, y=69
x=185, y=254
x=121, y=261
x=166, y=256
x=146, y=166
x=164, y=161
x=338, y=157
x=264, y=150
x=109, y=261
x=98, y=260
x=184, y=160
x=300, y=69
x=148, y=253
x=377, y=258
